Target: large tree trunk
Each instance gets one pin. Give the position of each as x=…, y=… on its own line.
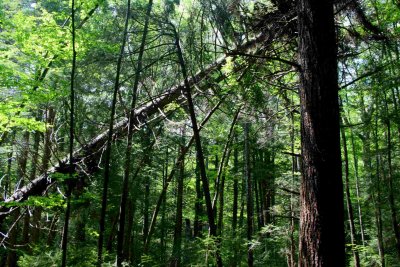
x=321, y=218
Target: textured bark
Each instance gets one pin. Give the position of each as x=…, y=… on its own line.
x=321, y=218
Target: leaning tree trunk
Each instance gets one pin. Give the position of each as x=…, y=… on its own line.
x=199, y=149
x=321, y=216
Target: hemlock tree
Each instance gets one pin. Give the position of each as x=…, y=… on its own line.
x=216, y=193
x=322, y=215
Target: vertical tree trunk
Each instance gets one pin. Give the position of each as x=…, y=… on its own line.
x=292, y=245
x=322, y=214
x=350, y=212
x=257, y=199
x=378, y=214
x=146, y=199
x=37, y=212
x=11, y=260
x=168, y=180
x=32, y=175
x=235, y=202
x=177, y=245
x=391, y=197
x=127, y=167
x=249, y=195
x=64, y=242
x=22, y=159
x=198, y=208
x=107, y=154
x=356, y=174
x=163, y=238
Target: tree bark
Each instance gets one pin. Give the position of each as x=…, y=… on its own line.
x=322, y=213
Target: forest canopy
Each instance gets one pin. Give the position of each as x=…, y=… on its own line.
x=199, y=133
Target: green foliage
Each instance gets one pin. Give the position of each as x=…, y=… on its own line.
x=40, y=258
x=35, y=38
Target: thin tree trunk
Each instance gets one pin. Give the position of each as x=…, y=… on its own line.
x=32, y=175
x=22, y=159
x=90, y=153
x=64, y=243
x=221, y=164
x=235, y=203
x=177, y=244
x=292, y=245
x=52, y=231
x=198, y=208
x=377, y=199
x=107, y=154
x=168, y=180
x=127, y=168
x=163, y=209
x=356, y=174
x=257, y=199
x=322, y=241
x=12, y=241
x=199, y=149
x=350, y=212
x=37, y=212
x=392, y=204
x=249, y=195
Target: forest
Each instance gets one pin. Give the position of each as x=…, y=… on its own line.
x=200, y=133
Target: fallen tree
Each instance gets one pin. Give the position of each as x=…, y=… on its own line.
x=87, y=159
